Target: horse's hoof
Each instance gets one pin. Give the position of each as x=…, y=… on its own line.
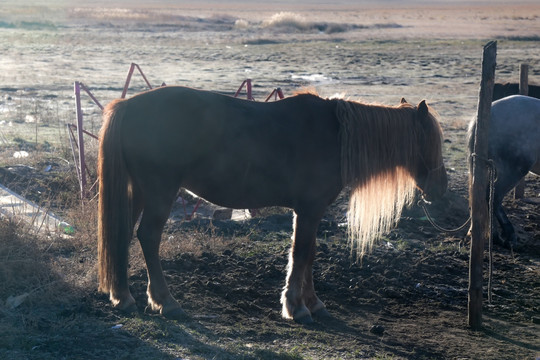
x=129, y=309
x=148, y=310
x=498, y=239
x=512, y=241
x=304, y=320
x=303, y=316
x=175, y=314
x=322, y=313
x=508, y=242
x=124, y=302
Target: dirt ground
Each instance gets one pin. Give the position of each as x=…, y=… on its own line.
x=406, y=300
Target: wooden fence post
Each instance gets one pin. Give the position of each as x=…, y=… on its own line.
x=479, y=185
x=519, y=190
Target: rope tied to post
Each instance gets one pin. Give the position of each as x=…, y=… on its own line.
x=423, y=204
x=492, y=169
x=492, y=178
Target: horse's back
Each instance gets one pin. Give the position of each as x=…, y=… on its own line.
x=515, y=131
x=233, y=152
x=515, y=116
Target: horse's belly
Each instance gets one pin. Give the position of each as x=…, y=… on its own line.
x=237, y=197
x=239, y=188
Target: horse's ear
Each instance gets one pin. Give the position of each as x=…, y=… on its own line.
x=422, y=109
x=403, y=101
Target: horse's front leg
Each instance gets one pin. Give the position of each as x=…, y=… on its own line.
x=312, y=301
x=298, y=297
x=149, y=234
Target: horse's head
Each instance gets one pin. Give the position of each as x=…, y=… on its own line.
x=430, y=174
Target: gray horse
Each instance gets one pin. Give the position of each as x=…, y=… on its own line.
x=514, y=147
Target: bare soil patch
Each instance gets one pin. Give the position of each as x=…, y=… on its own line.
x=406, y=300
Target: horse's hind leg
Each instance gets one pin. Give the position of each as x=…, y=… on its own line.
x=120, y=295
x=507, y=179
x=156, y=212
x=508, y=232
x=298, y=294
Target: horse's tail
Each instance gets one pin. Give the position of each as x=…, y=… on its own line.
x=115, y=227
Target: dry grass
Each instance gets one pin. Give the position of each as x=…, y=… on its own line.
x=31, y=282
x=23, y=267
x=41, y=273
x=45, y=276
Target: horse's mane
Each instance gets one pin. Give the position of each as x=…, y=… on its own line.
x=306, y=91
x=379, y=150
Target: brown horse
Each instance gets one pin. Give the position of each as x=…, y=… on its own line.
x=298, y=153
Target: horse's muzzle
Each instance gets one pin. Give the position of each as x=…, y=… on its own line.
x=435, y=185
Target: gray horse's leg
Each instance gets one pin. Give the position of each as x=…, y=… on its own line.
x=509, y=236
x=507, y=179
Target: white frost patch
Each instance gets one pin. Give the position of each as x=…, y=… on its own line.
x=20, y=154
